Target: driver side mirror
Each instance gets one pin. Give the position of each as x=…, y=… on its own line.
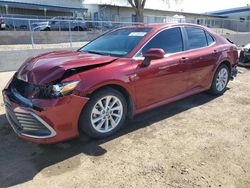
x=152, y=53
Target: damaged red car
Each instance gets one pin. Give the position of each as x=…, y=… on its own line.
x=54, y=96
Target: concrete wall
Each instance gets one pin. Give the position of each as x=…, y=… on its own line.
x=46, y=37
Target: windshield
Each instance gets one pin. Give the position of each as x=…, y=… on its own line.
x=117, y=43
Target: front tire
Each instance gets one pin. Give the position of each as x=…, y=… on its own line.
x=104, y=114
x=220, y=80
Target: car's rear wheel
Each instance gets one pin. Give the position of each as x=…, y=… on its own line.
x=220, y=80
x=104, y=114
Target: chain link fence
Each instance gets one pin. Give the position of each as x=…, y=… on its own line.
x=57, y=30
x=73, y=31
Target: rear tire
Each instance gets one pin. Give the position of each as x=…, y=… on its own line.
x=220, y=80
x=104, y=113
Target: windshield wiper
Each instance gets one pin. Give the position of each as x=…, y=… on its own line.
x=99, y=53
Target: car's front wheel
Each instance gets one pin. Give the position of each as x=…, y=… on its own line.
x=104, y=114
x=220, y=80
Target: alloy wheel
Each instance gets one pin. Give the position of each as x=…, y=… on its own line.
x=106, y=114
x=222, y=79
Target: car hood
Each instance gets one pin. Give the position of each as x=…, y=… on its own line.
x=48, y=67
x=40, y=23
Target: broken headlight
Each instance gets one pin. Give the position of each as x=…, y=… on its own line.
x=64, y=88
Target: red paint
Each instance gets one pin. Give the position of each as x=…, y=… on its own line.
x=154, y=53
x=51, y=66
x=167, y=78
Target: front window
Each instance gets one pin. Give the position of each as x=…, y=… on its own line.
x=117, y=43
x=170, y=40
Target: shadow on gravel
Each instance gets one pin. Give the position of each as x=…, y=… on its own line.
x=20, y=161
x=3, y=120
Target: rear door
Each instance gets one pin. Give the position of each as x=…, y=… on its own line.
x=201, y=56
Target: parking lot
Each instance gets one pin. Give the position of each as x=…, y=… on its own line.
x=201, y=141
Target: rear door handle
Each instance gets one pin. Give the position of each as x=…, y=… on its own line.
x=184, y=59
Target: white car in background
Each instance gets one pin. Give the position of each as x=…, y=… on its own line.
x=61, y=24
x=2, y=24
x=245, y=56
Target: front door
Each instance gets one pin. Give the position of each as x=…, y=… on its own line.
x=164, y=78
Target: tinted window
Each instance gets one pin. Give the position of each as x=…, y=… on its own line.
x=169, y=40
x=196, y=38
x=210, y=39
x=117, y=43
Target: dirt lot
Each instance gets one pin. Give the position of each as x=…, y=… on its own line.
x=201, y=141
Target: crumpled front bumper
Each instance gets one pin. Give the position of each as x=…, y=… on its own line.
x=43, y=120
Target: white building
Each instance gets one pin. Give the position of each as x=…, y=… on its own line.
x=155, y=11
x=238, y=19
x=240, y=13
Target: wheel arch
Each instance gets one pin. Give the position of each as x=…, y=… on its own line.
x=127, y=95
x=227, y=63
x=222, y=62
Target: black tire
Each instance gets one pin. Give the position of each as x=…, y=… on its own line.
x=85, y=124
x=214, y=89
x=46, y=29
x=78, y=29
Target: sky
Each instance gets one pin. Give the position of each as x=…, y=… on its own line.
x=202, y=6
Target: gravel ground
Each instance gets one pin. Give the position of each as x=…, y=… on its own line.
x=201, y=141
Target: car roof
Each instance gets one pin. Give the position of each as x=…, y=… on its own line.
x=160, y=26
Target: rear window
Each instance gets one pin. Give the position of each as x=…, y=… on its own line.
x=210, y=39
x=196, y=38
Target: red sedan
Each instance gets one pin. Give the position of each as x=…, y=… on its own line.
x=124, y=72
